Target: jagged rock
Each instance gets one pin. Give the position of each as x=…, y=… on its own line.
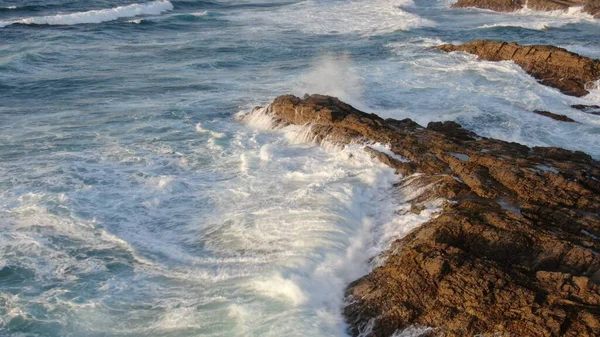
x=495, y=5
x=554, y=116
x=593, y=7
x=590, y=6
x=552, y=5
x=515, y=251
x=571, y=73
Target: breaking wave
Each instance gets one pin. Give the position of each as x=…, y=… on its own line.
x=365, y=18
x=96, y=16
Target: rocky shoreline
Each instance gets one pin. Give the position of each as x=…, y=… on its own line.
x=515, y=249
x=556, y=67
x=591, y=7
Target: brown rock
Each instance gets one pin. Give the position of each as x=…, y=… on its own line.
x=552, y=66
x=515, y=253
x=593, y=7
x=495, y=5
x=557, y=117
x=552, y=5
x=590, y=6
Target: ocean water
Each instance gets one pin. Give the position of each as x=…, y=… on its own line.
x=134, y=202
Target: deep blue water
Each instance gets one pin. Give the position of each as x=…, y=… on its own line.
x=132, y=201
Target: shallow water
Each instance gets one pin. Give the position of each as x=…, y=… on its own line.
x=134, y=203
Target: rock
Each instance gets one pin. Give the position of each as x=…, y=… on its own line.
x=571, y=73
x=515, y=252
x=593, y=7
x=557, y=117
x=591, y=109
x=552, y=5
x=590, y=6
x=495, y=5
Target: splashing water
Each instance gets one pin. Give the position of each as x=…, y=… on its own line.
x=134, y=203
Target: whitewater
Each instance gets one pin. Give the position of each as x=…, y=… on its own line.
x=136, y=201
x=95, y=16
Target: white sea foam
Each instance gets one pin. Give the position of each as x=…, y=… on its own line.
x=279, y=287
x=331, y=211
x=96, y=16
x=494, y=99
x=177, y=230
x=385, y=148
x=413, y=331
x=258, y=119
x=343, y=17
x=160, y=182
x=136, y=21
x=32, y=228
x=266, y=153
x=200, y=129
x=542, y=20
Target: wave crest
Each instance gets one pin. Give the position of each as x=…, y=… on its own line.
x=96, y=16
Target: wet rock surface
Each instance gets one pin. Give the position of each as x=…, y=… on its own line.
x=556, y=67
x=495, y=5
x=554, y=116
x=590, y=109
x=591, y=7
x=514, y=250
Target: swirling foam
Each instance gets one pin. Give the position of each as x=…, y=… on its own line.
x=493, y=99
x=96, y=16
x=344, y=17
x=541, y=20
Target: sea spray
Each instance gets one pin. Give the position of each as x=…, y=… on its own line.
x=99, y=124
x=334, y=75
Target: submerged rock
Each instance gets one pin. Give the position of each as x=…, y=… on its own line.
x=590, y=109
x=589, y=6
x=571, y=73
x=514, y=251
x=554, y=116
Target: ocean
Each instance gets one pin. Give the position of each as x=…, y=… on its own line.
x=134, y=202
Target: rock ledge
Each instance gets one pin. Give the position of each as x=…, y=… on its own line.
x=571, y=73
x=514, y=251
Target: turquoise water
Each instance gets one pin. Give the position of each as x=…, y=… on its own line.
x=134, y=203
